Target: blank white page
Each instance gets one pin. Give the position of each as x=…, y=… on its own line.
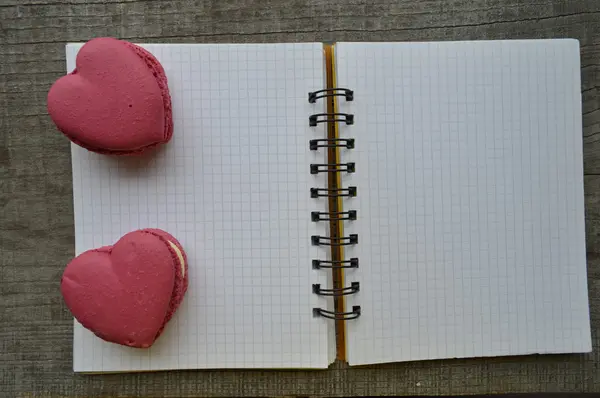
x=470, y=199
x=233, y=186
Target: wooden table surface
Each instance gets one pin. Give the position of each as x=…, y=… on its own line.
x=36, y=212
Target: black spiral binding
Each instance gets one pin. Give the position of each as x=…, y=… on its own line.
x=342, y=291
x=332, y=168
x=333, y=193
x=332, y=143
x=317, y=118
x=330, y=92
x=319, y=240
x=338, y=316
x=319, y=264
x=333, y=215
x=350, y=215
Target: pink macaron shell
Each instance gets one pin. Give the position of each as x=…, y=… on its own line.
x=161, y=78
x=181, y=280
x=115, y=101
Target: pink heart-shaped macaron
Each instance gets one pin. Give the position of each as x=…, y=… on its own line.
x=116, y=101
x=126, y=293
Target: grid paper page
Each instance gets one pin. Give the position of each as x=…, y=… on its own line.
x=233, y=186
x=470, y=199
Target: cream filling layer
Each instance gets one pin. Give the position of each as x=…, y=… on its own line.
x=180, y=257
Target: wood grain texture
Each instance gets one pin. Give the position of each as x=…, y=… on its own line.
x=36, y=214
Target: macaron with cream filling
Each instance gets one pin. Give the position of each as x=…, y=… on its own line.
x=116, y=101
x=127, y=293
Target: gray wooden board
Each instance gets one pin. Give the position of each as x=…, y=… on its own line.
x=36, y=213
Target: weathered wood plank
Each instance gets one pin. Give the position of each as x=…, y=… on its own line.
x=36, y=228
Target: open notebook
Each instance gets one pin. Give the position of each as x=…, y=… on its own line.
x=433, y=206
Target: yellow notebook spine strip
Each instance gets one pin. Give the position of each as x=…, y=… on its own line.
x=335, y=203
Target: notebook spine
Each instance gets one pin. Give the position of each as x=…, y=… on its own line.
x=337, y=192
